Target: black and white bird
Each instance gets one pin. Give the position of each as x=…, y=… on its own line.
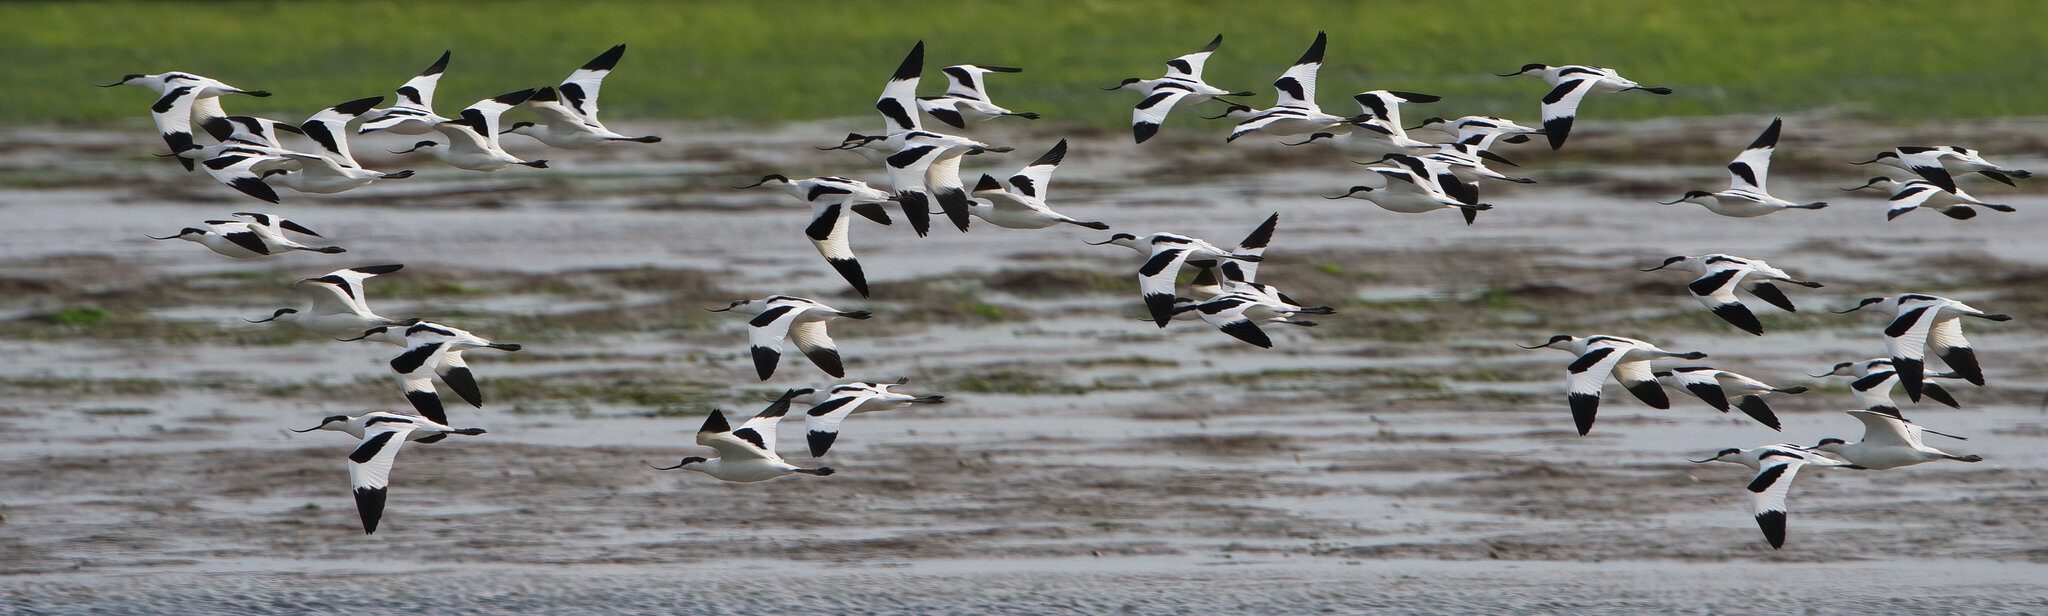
x=1720, y=388
x=832, y=199
x=1468, y=160
x=1915, y=194
x=802, y=321
x=1875, y=379
x=926, y=169
x=1920, y=321
x=369, y=465
x=1240, y=313
x=1019, y=201
x=1746, y=196
x=746, y=454
x=335, y=303
x=1165, y=254
x=1720, y=275
x=334, y=169
x=1412, y=185
x=1775, y=465
x=1627, y=359
x=245, y=130
x=1570, y=84
x=1232, y=275
x=249, y=240
x=1888, y=442
x=569, y=110
x=412, y=113
x=1488, y=128
x=966, y=98
x=1182, y=85
x=473, y=137
x=1939, y=164
x=443, y=345
x=898, y=103
x=183, y=99
x=1294, y=112
x=832, y=406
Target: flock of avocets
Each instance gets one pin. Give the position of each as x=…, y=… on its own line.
x=923, y=169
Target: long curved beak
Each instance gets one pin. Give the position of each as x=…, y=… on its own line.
x=1654, y=268
x=1867, y=161
x=1540, y=346
x=1354, y=190
x=1846, y=311
x=1674, y=202
x=113, y=84
x=266, y=320
x=365, y=335
x=404, y=151
x=751, y=185
x=1822, y=375
x=163, y=238
x=1703, y=461
x=725, y=309
x=1114, y=88
x=1865, y=185
x=666, y=468
x=1096, y=243
x=308, y=429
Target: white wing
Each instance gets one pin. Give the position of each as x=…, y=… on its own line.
x=1584, y=379
x=1561, y=106
x=369, y=469
x=329, y=128
x=579, y=91
x=240, y=171
x=898, y=103
x=733, y=446
x=1751, y=166
x=1767, y=495
x=1884, y=430
x=482, y=117
x=173, y=115
x=1190, y=66
x=821, y=423
x=766, y=332
x=812, y=340
x=1034, y=179
x=418, y=92
x=1297, y=86
x=1151, y=112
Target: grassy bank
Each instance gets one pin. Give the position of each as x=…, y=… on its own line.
x=800, y=60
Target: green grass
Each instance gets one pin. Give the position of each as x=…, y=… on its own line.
x=802, y=60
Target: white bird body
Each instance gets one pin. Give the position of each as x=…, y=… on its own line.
x=1914, y=194
x=1239, y=314
x=1747, y=195
x=1776, y=466
x=1875, y=379
x=1720, y=275
x=1182, y=85
x=1920, y=322
x=1019, y=201
x=336, y=305
x=746, y=454
x=570, y=108
x=1888, y=442
x=244, y=240
x=413, y=112
x=1294, y=112
x=1488, y=128
x=1626, y=359
x=1165, y=254
x=183, y=99
x=1416, y=185
x=1569, y=85
x=382, y=434
x=1718, y=388
x=473, y=138
x=801, y=321
x=832, y=199
x=1939, y=164
x=832, y=406
x=433, y=349
x=966, y=98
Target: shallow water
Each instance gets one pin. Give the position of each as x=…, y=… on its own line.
x=1121, y=467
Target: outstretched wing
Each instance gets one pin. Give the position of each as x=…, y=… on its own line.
x=1583, y=380
x=821, y=423
x=369, y=469
x=329, y=128
x=1906, y=340
x=418, y=92
x=1190, y=66
x=1750, y=167
x=828, y=233
x=1151, y=112
x=1716, y=291
x=1156, y=278
x=898, y=103
x=1884, y=430
x=1701, y=383
x=173, y=115
x=1033, y=180
x=1767, y=495
x=579, y=91
x=1561, y=106
x=811, y=339
x=765, y=334
x=1297, y=86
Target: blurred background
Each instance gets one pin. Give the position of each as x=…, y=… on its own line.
x=1402, y=456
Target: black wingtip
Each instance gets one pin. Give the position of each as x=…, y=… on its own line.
x=1314, y=55
x=514, y=98
x=1769, y=138
x=1773, y=525
x=607, y=60
x=358, y=106
x=1213, y=44
x=912, y=66
x=439, y=65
